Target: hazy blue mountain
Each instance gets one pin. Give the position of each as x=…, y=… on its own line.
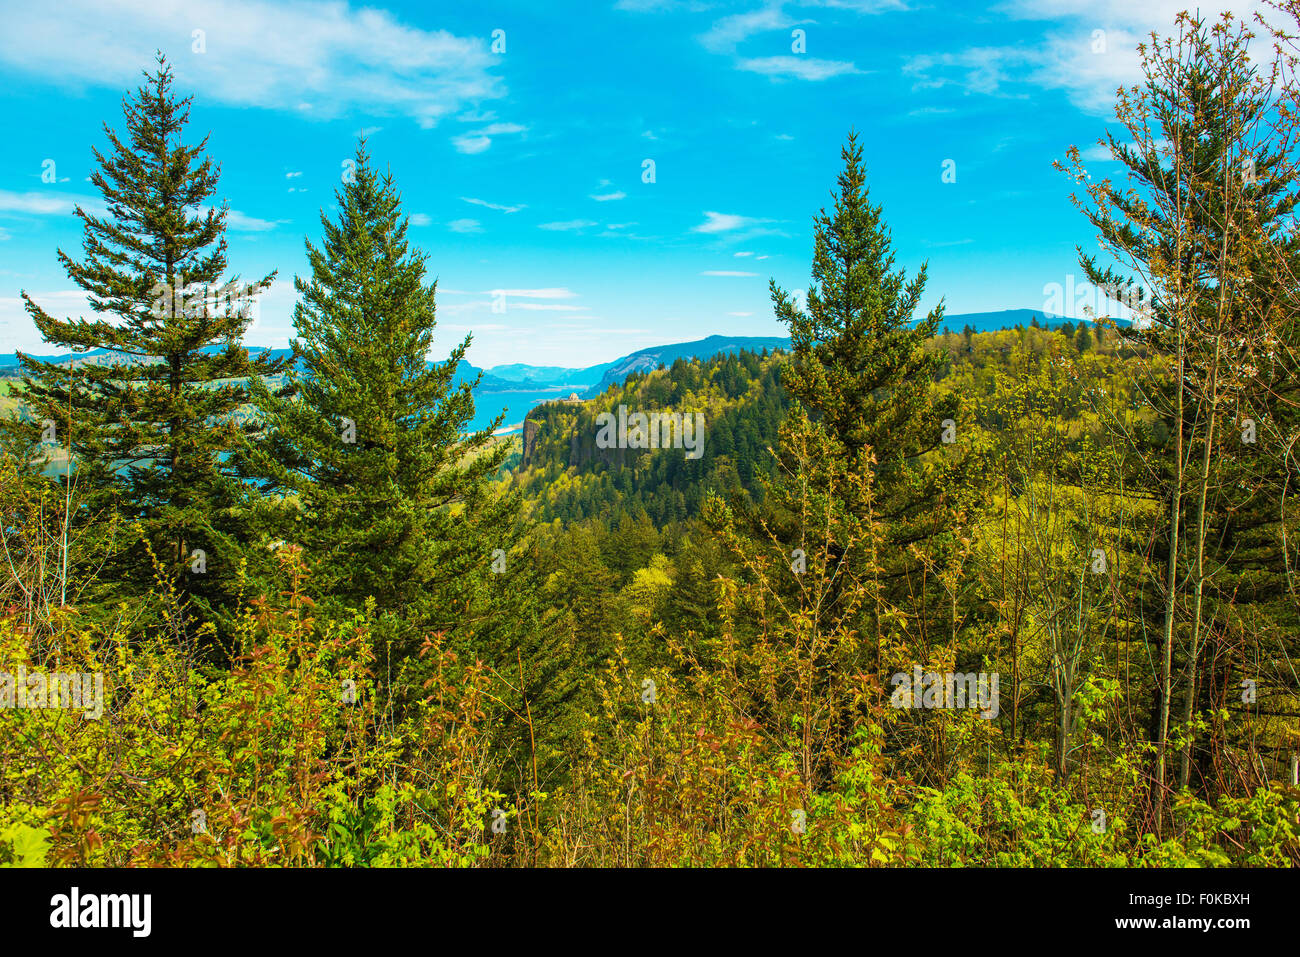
x=521, y=386
x=1004, y=319
x=542, y=376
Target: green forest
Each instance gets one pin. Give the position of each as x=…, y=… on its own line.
x=927, y=597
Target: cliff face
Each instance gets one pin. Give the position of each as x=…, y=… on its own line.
x=557, y=416
x=531, y=428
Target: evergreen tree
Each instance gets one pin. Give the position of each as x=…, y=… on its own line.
x=152, y=426
x=1083, y=337
x=1206, y=240
x=862, y=371
x=384, y=485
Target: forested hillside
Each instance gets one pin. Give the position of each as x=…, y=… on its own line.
x=565, y=476
x=891, y=596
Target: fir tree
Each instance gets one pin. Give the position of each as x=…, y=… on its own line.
x=1204, y=235
x=152, y=425
x=1083, y=337
x=861, y=369
x=384, y=484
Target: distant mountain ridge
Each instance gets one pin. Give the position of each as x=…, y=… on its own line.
x=647, y=360
x=600, y=377
x=593, y=380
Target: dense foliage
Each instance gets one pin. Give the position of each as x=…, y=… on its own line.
x=441, y=648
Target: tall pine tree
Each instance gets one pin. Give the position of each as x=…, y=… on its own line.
x=151, y=424
x=382, y=482
x=861, y=370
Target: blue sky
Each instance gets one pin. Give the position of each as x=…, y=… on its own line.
x=522, y=170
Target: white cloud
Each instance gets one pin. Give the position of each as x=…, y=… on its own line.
x=45, y=203
x=729, y=32
x=647, y=6
x=797, y=67
x=471, y=144
x=740, y=314
x=17, y=331
x=548, y=292
x=548, y=307
x=1068, y=57
x=724, y=222
x=497, y=206
x=607, y=197
x=982, y=69
x=293, y=175
x=568, y=224
x=420, y=219
x=866, y=6
x=480, y=140
x=323, y=60
x=465, y=226
x=241, y=223
x=739, y=255
x=726, y=272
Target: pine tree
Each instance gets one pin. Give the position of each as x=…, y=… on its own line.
x=384, y=484
x=1205, y=237
x=861, y=370
x=152, y=426
x=1083, y=337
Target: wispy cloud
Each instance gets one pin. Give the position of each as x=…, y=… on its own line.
x=549, y=307
x=608, y=197
x=797, y=67
x=497, y=206
x=725, y=222
x=567, y=225
x=46, y=203
x=1088, y=51
x=42, y=203
x=480, y=140
x=243, y=223
x=548, y=292
x=729, y=32
x=465, y=226
x=340, y=59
